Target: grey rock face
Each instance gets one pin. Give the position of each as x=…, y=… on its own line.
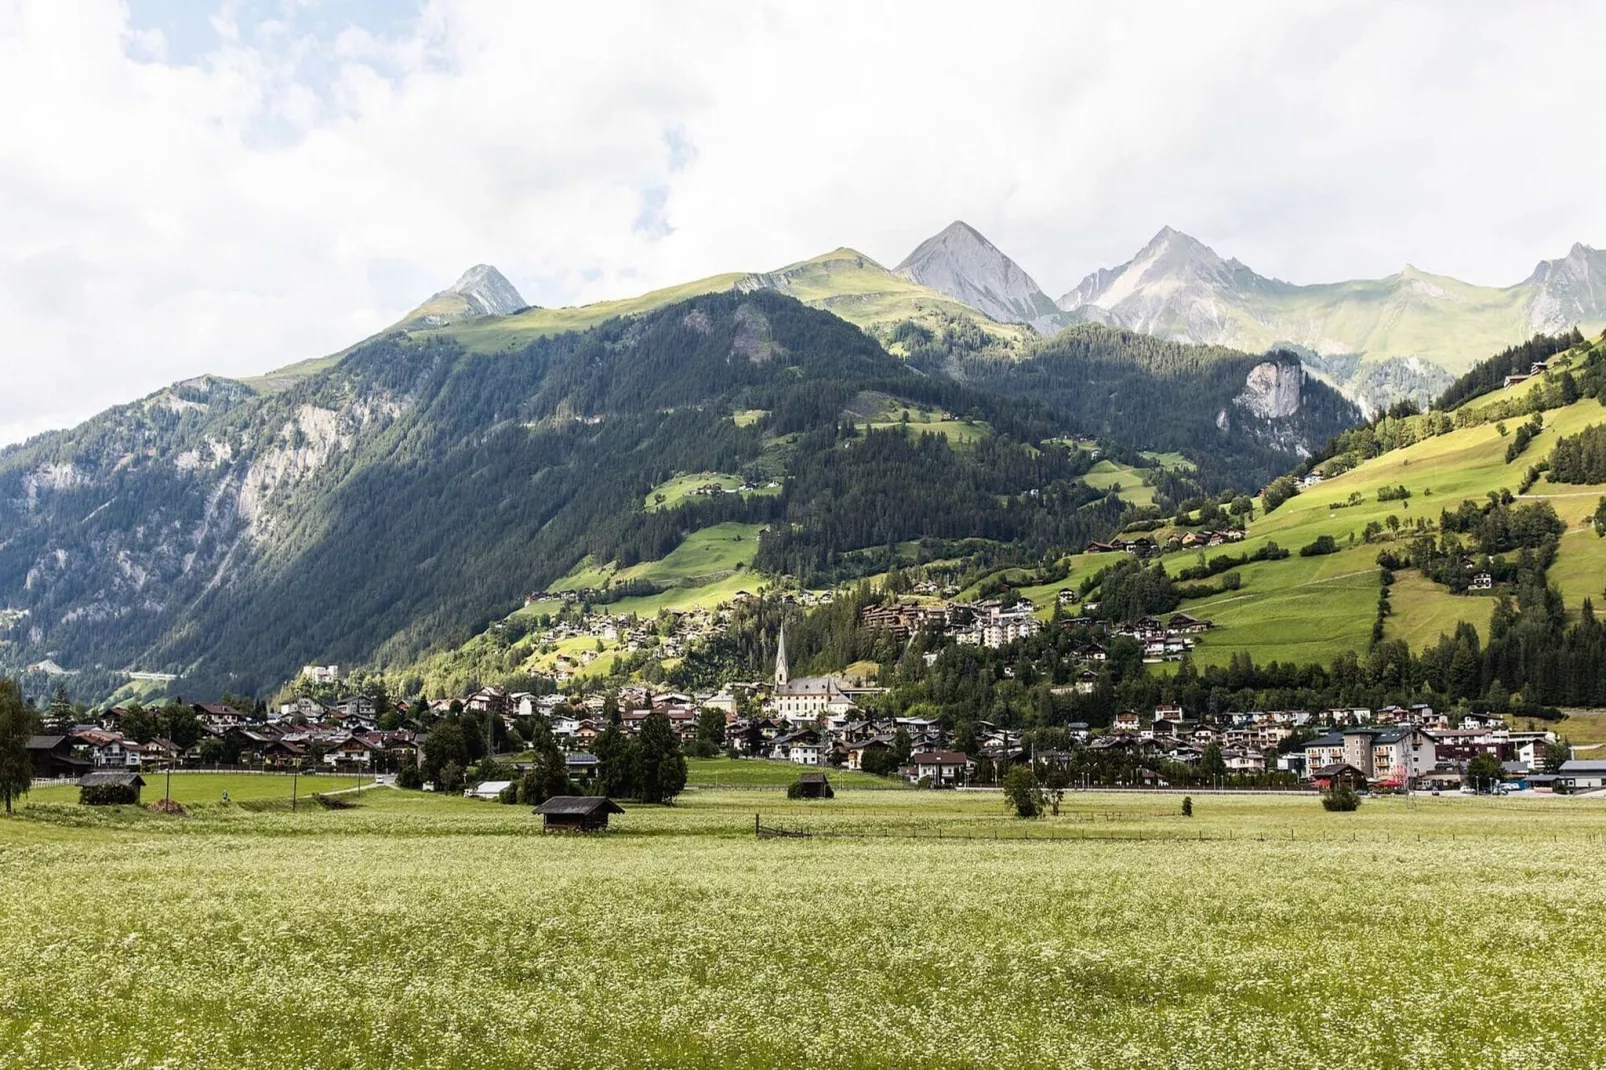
x=964, y=265
x=1271, y=391
x=488, y=291
x=1568, y=291
x=1176, y=287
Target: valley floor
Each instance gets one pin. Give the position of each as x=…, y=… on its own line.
x=427, y=931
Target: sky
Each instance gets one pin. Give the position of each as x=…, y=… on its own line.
x=193, y=186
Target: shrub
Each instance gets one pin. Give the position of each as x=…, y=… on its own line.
x=1021, y=793
x=1187, y=806
x=1324, y=544
x=1341, y=798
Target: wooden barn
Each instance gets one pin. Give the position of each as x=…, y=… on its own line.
x=811, y=786
x=577, y=813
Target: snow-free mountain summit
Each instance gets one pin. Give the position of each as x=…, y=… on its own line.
x=961, y=263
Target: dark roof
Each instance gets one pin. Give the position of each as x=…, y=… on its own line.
x=91, y=780
x=812, y=778
x=1578, y=765
x=939, y=757
x=581, y=759
x=579, y=804
x=1331, y=739
x=45, y=742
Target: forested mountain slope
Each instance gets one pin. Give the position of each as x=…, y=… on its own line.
x=416, y=490
x=1239, y=418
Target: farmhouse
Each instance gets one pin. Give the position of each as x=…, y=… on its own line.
x=52, y=757
x=944, y=768
x=577, y=813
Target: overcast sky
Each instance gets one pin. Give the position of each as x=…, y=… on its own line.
x=191, y=187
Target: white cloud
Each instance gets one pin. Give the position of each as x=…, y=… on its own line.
x=287, y=194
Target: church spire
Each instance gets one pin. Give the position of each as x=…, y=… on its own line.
x=782, y=673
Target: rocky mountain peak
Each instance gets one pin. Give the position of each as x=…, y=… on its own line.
x=959, y=262
x=488, y=290
x=1568, y=291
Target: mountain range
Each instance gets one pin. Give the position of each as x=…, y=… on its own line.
x=395, y=496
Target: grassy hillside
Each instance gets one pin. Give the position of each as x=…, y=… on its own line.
x=1278, y=614
x=861, y=291
x=1410, y=314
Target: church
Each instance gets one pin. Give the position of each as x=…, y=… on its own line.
x=804, y=698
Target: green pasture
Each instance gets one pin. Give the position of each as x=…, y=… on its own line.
x=759, y=772
x=932, y=929
x=191, y=788
x=1106, y=474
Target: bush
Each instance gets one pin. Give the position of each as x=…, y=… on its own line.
x=108, y=795
x=1324, y=544
x=1187, y=806
x=1341, y=798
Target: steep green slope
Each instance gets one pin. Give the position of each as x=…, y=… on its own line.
x=417, y=489
x=1311, y=608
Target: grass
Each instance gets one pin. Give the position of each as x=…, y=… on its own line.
x=704, y=554
x=674, y=491
x=191, y=788
x=429, y=931
x=758, y=772
x=1106, y=474
x=1423, y=608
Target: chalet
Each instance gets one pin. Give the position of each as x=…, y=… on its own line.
x=576, y=813
x=1310, y=480
x=943, y=768
x=1337, y=773
x=283, y=754
x=856, y=751
x=1483, y=581
x=1245, y=761
x=1078, y=730
x=1087, y=682
x=1127, y=721
x=350, y=752
x=1187, y=623
x=488, y=699
x=582, y=767
x=52, y=758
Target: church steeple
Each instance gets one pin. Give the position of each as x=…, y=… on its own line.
x=782, y=673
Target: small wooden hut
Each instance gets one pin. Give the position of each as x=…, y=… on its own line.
x=577, y=813
x=811, y=786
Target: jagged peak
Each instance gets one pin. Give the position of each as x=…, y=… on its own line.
x=489, y=290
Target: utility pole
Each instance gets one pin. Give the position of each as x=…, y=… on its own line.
x=294, y=773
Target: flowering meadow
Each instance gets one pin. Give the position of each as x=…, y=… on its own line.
x=440, y=932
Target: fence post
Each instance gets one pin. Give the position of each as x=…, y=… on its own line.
x=755, y=824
